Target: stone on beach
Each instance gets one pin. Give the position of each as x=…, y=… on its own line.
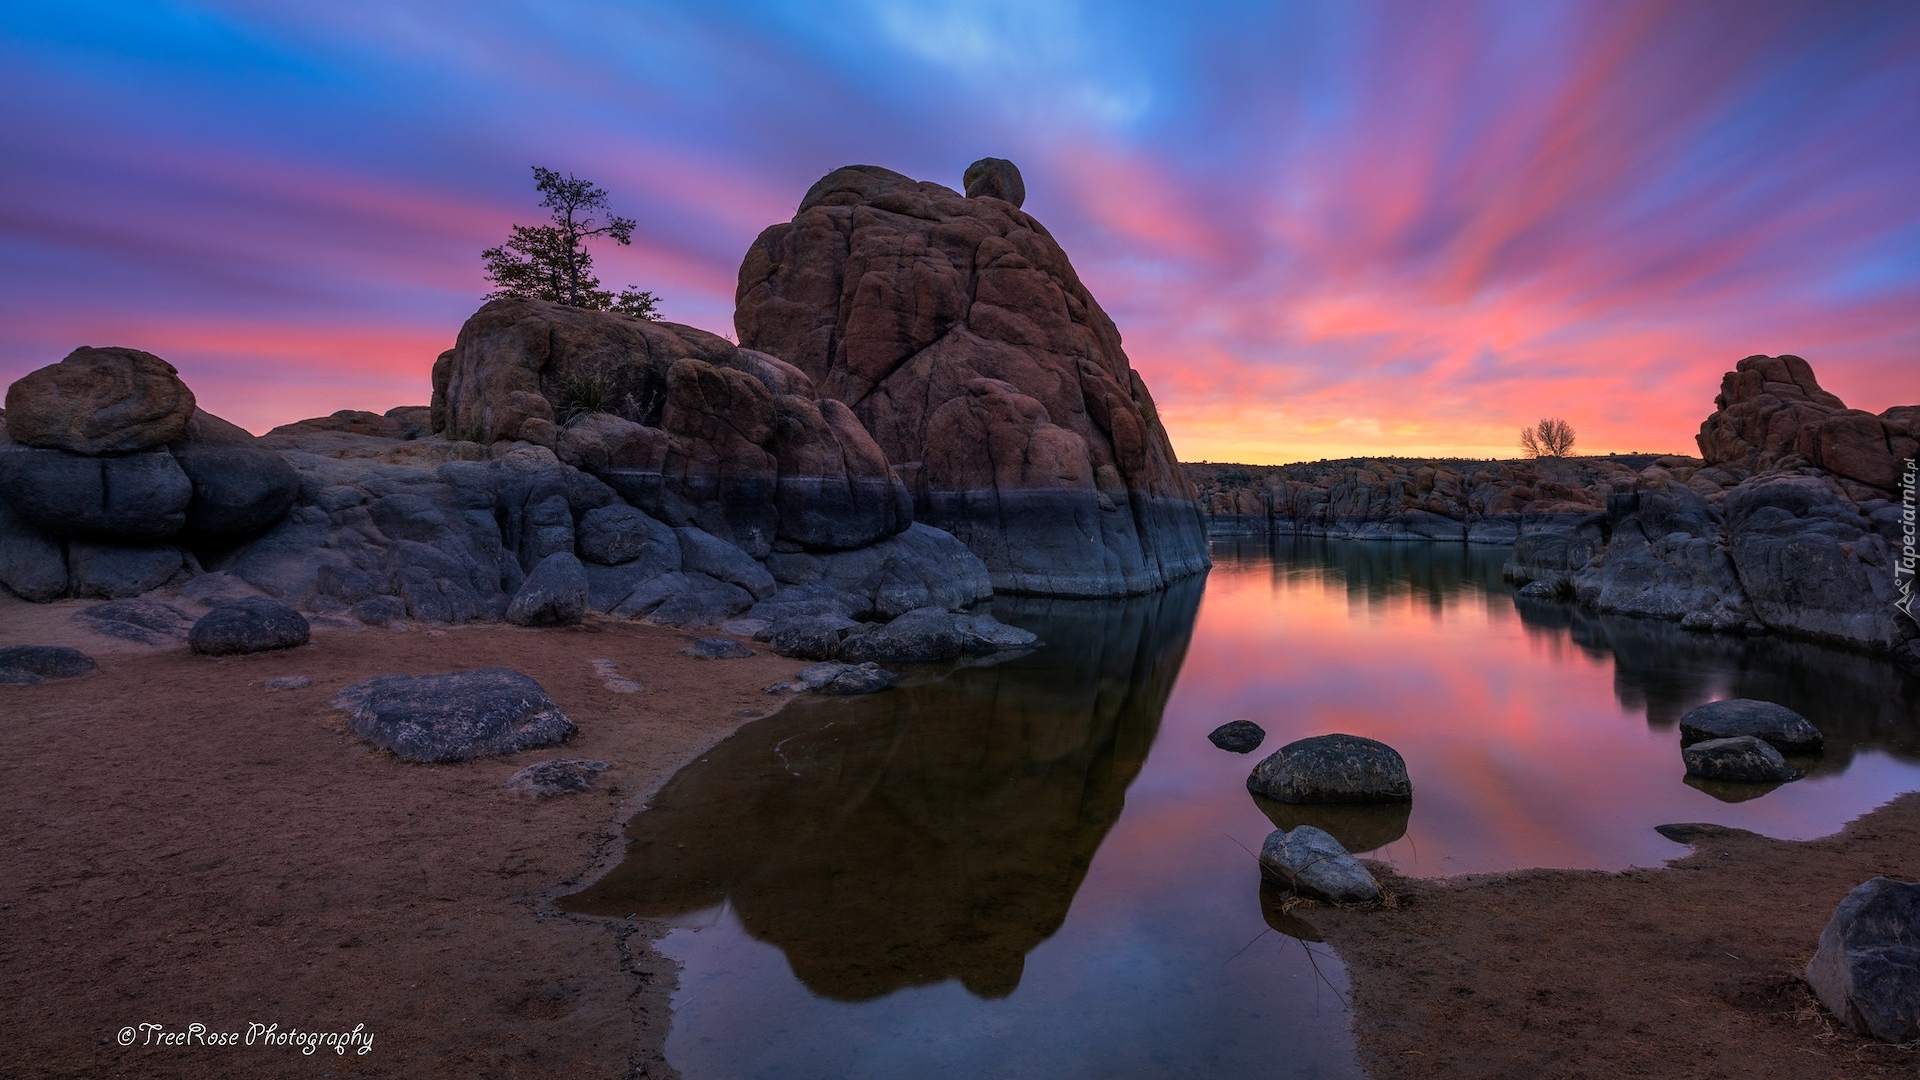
x=717, y=648
x=1866, y=970
x=1332, y=768
x=148, y=622
x=249, y=625
x=1313, y=864
x=24, y=665
x=1777, y=724
x=440, y=718
x=559, y=776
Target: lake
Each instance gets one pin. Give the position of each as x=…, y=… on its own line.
x=1041, y=868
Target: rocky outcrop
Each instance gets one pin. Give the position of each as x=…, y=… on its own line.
x=1867, y=968
x=1771, y=414
x=959, y=334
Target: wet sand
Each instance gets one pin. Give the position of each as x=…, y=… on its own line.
x=1690, y=970
x=185, y=846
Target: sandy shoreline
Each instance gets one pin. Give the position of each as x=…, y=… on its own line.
x=186, y=846
x=1688, y=970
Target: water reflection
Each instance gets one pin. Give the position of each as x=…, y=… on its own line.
x=937, y=831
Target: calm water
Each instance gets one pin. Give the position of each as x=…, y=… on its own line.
x=1042, y=868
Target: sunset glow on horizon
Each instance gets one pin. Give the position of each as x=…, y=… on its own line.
x=1324, y=230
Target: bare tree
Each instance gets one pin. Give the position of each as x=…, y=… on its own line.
x=1549, y=438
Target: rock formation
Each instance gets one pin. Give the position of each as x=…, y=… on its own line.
x=958, y=332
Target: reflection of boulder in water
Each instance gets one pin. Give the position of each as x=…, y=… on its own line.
x=936, y=831
x=1728, y=791
x=1360, y=827
x=1273, y=908
x=1856, y=700
x=1380, y=571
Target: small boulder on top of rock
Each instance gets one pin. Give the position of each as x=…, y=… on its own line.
x=248, y=625
x=467, y=714
x=24, y=665
x=1743, y=759
x=1313, y=864
x=995, y=178
x=560, y=776
x=1332, y=769
x=555, y=594
x=1238, y=736
x=717, y=648
x=1777, y=724
x=100, y=401
x=1867, y=968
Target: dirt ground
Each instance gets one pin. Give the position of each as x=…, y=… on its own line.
x=1691, y=970
x=180, y=845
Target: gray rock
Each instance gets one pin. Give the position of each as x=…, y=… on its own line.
x=251, y=625
x=112, y=571
x=983, y=635
x=921, y=567
x=1313, y=864
x=560, y=776
x=717, y=648
x=1742, y=759
x=835, y=678
x=920, y=636
x=757, y=629
x=215, y=589
x=148, y=622
x=608, y=587
x=705, y=553
x=24, y=665
x=810, y=637
x=437, y=718
x=1867, y=968
x=379, y=610
x=619, y=534
x=1332, y=768
x=32, y=565
x=555, y=594
x=1238, y=736
x=687, y=601
x=288, y=682
x=130, y=497
x=240, y=488
x=1546, y=588
x=1777, y=724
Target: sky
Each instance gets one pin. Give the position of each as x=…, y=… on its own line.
x=1324, y=228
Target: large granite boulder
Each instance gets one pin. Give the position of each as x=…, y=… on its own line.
x=100, y=401
x=682, y=423
x=1867, y=968
x=1732, y=718
x=960, y=335
x=1771, y=413
x=1313, y=864
x=1815, y=562
x=1332, y=769
x=249, y=625
x=240, y=488
x=438, y=718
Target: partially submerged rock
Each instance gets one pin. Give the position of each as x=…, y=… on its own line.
x=249, y=625
x=1332, y=768
x=1238, y=736
x=833, y=678
x=24, y=665
x=1785, y=729
x=439, y=718
x=1867, y=968
x=560, y=776
x=1742, y=759
x=1313, y=864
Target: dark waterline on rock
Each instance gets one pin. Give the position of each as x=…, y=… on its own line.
x=1042, y=868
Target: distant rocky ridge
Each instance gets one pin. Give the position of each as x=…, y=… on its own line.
x=1791, y=520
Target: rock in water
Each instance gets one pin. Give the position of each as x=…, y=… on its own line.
x=561, y=776
x=1313, y=864
x=1743, y=759
x=1867, y=969
x=250, y=625
x=1239, y=736
x=468, y=714
x=961, y=337
x=717, y=648
x=100, y=401
x=24, y=665
x=555, y=594
x=1777, y=724
x=1332, y=768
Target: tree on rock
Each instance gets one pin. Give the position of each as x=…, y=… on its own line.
x=551, y=262
x=1548, y=438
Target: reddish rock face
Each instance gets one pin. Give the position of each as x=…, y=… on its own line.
x=1772, y=413
x=957, y=331
x=100, y=401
